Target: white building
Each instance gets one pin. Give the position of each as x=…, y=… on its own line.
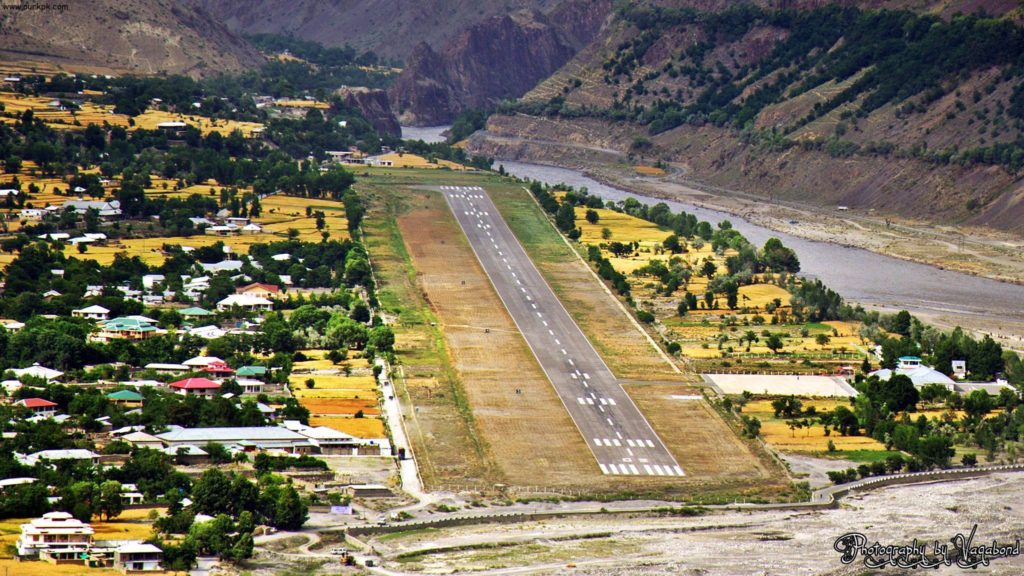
x=246, y=302
x=56, y=536
x=919, y=374
x=94, y=312
x=138, y=557
x=79, y=454
x=37, y=371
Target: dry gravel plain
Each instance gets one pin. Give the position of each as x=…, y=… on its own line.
x=783, y=543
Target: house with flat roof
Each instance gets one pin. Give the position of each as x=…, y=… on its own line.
x=57, y=536
x=138, y=557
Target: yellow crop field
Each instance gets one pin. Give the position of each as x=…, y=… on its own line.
x=624, y=228
x=302, y=104
x=813, y=439
x=760, y=295
x=300, y=391
x=149, y=120
x=334, y=382
x=358, y=427
x=406, y=160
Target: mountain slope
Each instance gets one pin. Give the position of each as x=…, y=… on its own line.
x=914, y=114
x=501, y=57
x=391, y=28
x=150, y=36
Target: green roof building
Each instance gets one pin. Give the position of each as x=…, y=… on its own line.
x=125, y=396
x=194, y=312
x=252, y=371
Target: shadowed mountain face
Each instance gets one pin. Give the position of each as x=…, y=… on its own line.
x=391, y=28
x=147, y=37
x=502, y=57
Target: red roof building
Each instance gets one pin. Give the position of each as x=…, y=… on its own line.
x=39, y=405
x=198, y=386
x=218, y=368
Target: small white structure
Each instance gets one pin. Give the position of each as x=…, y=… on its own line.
x=138, y=557
x=959, y=369
x=94, y=312
x=56, y=536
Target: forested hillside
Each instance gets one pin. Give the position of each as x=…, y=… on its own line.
x=939, y=94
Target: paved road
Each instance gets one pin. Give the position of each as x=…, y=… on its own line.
x=619, y=436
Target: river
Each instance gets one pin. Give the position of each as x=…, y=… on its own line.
x=861, y=276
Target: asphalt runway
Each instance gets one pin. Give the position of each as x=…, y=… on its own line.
x=620, y=438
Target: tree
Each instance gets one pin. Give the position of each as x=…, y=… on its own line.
x=684, y=307
x=592, y=216
x=565, y=218
x=110, y=503
x=774, y=343
x=977, y=404
x=709, y=269
x=672, y=244
x=290, y=512
x=750, y=337
x=822, y=339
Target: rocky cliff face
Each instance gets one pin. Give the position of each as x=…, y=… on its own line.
x=147, y=37
x=375, y=107
x=502, y=57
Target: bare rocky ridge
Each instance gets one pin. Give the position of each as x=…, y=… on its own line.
x=374, y=106
x=391, y=28
x=150, y=37
x=502, y=57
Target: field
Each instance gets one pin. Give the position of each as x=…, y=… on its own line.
x=280, y=214
x=91, y=113
x=781, y=385
x=776, y=431
x=405, y=160
x=704, y=334
x=358, y=427
x=335, y=395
